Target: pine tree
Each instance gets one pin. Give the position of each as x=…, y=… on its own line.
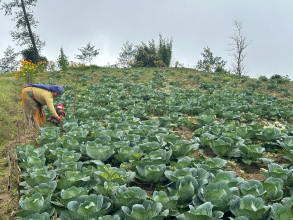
x=62, y=61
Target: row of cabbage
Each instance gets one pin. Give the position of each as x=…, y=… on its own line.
x=120, y=159
x=143, y=100
x=172, y=105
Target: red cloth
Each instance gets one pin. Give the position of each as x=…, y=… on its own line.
x=60, y=105
x=62, y=114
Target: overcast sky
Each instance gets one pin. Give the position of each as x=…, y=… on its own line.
x=192, y=24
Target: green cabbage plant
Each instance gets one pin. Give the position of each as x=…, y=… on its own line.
x=273, y=188
x=277, y=171
x=89, y=207
x=25, y=151
x=48, y=135
x=185, y=188
x=148, y=210
x=221, y=146
x=165, y=200
x=36, y=204
x=149, y=146
x=202, y=212
x=270, y=134
x=282, y=212
x=215, y=163
x=200, y=174
x=228, y=177
x=250, y=153
x=71, y=144
x=128, y=196
x=110, y=217
x=249, y=206
x=183, y=148
x=150, y=173
x=71, y=193
x=45, y=189
x=160, y=156
x=185, y=161
x=286, y=143
x=38, y=177
x=73, y=178
x=219, y=194
x=252, y=187
x=99, y=151
x=205, y=119
x=114, y=175
x=124, y=153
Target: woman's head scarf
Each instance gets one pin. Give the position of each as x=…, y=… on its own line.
x=55, y=88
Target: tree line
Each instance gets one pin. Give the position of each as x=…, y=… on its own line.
x=145, y=54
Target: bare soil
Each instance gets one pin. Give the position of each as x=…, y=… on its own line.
x=184, y=132
x=247, y=172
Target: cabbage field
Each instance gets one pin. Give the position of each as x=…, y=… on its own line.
x=152, y=150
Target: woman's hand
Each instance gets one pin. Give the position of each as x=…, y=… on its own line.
x=60, y=120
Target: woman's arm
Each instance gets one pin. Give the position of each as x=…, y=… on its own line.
x=49, y=102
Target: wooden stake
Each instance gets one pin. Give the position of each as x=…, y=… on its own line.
x=18, y=132
x=75, y=95
x=9, y=172
x=18, y=171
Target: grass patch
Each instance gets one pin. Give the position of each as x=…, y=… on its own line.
x=10, y=108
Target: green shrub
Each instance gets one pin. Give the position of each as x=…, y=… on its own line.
x=220, y=69
x=276, y=76
x=29, y=54
x=263, y=79
x=206, y=85
x=279, y=79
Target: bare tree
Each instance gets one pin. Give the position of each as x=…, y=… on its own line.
x=237, y=45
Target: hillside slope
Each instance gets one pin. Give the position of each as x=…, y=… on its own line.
x=13, y=131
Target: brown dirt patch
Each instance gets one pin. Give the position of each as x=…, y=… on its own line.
x=184, y=132
x=148, y=187
x=278, y=158
x=247, y=172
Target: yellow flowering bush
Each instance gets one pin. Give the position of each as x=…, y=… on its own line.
x=28, y=70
